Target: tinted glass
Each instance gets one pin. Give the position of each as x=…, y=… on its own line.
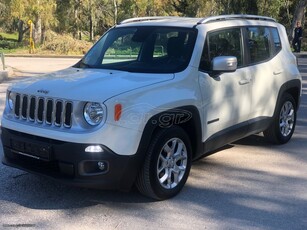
x=142, y=49
x=258, y=43
x=276, y=40
x=222, y=43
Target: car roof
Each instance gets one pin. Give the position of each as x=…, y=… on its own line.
x=190, y=22
x=158, y=21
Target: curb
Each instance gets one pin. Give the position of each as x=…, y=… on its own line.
x=7, y=73
x=43, y=56
x=301, y=54
x=4, y=74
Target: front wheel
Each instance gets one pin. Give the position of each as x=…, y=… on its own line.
x=283, y=125
x=167, y=164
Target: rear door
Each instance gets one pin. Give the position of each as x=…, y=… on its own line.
x=266, y=69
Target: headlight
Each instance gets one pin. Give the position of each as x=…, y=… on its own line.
x=93, y=113
x=10, y=100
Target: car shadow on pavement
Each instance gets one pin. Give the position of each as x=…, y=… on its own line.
x=255, y=197
x=38, y=192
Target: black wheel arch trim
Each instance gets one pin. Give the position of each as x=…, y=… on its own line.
x=187, y=117
x=293, y=87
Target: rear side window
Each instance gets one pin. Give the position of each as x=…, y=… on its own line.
x=258, y=43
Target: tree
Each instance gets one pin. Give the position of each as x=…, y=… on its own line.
x=285, y=15
x=3, y=10
x=63, y=16
x=92, y=17
x=16, y=10
x=41, y=12
x=298, y=15
x=270, y=8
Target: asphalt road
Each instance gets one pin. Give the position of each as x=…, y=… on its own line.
x=249, y=184
x=32, y=66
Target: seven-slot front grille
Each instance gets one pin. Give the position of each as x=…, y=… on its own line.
x=44, y=110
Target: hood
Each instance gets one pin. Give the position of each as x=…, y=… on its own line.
x=95, y=85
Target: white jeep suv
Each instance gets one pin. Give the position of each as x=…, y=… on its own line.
x=152, y=95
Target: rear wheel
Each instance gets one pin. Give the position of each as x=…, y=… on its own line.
x=283, y=125
x=167, y=164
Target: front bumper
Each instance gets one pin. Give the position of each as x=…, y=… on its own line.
x=68, y=162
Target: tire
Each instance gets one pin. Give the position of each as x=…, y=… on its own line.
x=167, y=164
x=283, y=124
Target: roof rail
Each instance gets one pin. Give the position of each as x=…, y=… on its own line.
x=234, y=16
x=142, y=19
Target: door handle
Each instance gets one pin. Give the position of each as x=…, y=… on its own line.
x=277, y=72
x=244, y=81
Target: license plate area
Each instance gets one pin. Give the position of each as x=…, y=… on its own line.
x=34, y=150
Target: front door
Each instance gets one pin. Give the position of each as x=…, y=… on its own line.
x=227, y=96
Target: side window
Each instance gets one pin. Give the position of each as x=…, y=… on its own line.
x=226, y=42
x=276, y=41
x=258, y=43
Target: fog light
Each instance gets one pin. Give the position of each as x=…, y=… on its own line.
x=94, y=149
x=101, y=165
x=93, y=167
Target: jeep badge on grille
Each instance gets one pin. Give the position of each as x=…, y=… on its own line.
x=43, y=91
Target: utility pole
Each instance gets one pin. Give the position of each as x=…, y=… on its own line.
x=31, y=41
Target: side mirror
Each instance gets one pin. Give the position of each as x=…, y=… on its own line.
x=224, y=64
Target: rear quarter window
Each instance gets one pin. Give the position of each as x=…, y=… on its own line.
x=276, y=41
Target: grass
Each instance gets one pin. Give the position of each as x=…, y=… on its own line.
x=14, y=51
x=7, y=36
x=65, y=44
x=55, y=44
x=8, y=43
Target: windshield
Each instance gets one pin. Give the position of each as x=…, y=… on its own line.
x=142, y=50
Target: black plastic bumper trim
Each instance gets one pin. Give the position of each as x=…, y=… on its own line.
x=66, y=161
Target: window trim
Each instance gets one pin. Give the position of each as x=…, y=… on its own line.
x=272, y=54
x=241, y=43
x=246, y=62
